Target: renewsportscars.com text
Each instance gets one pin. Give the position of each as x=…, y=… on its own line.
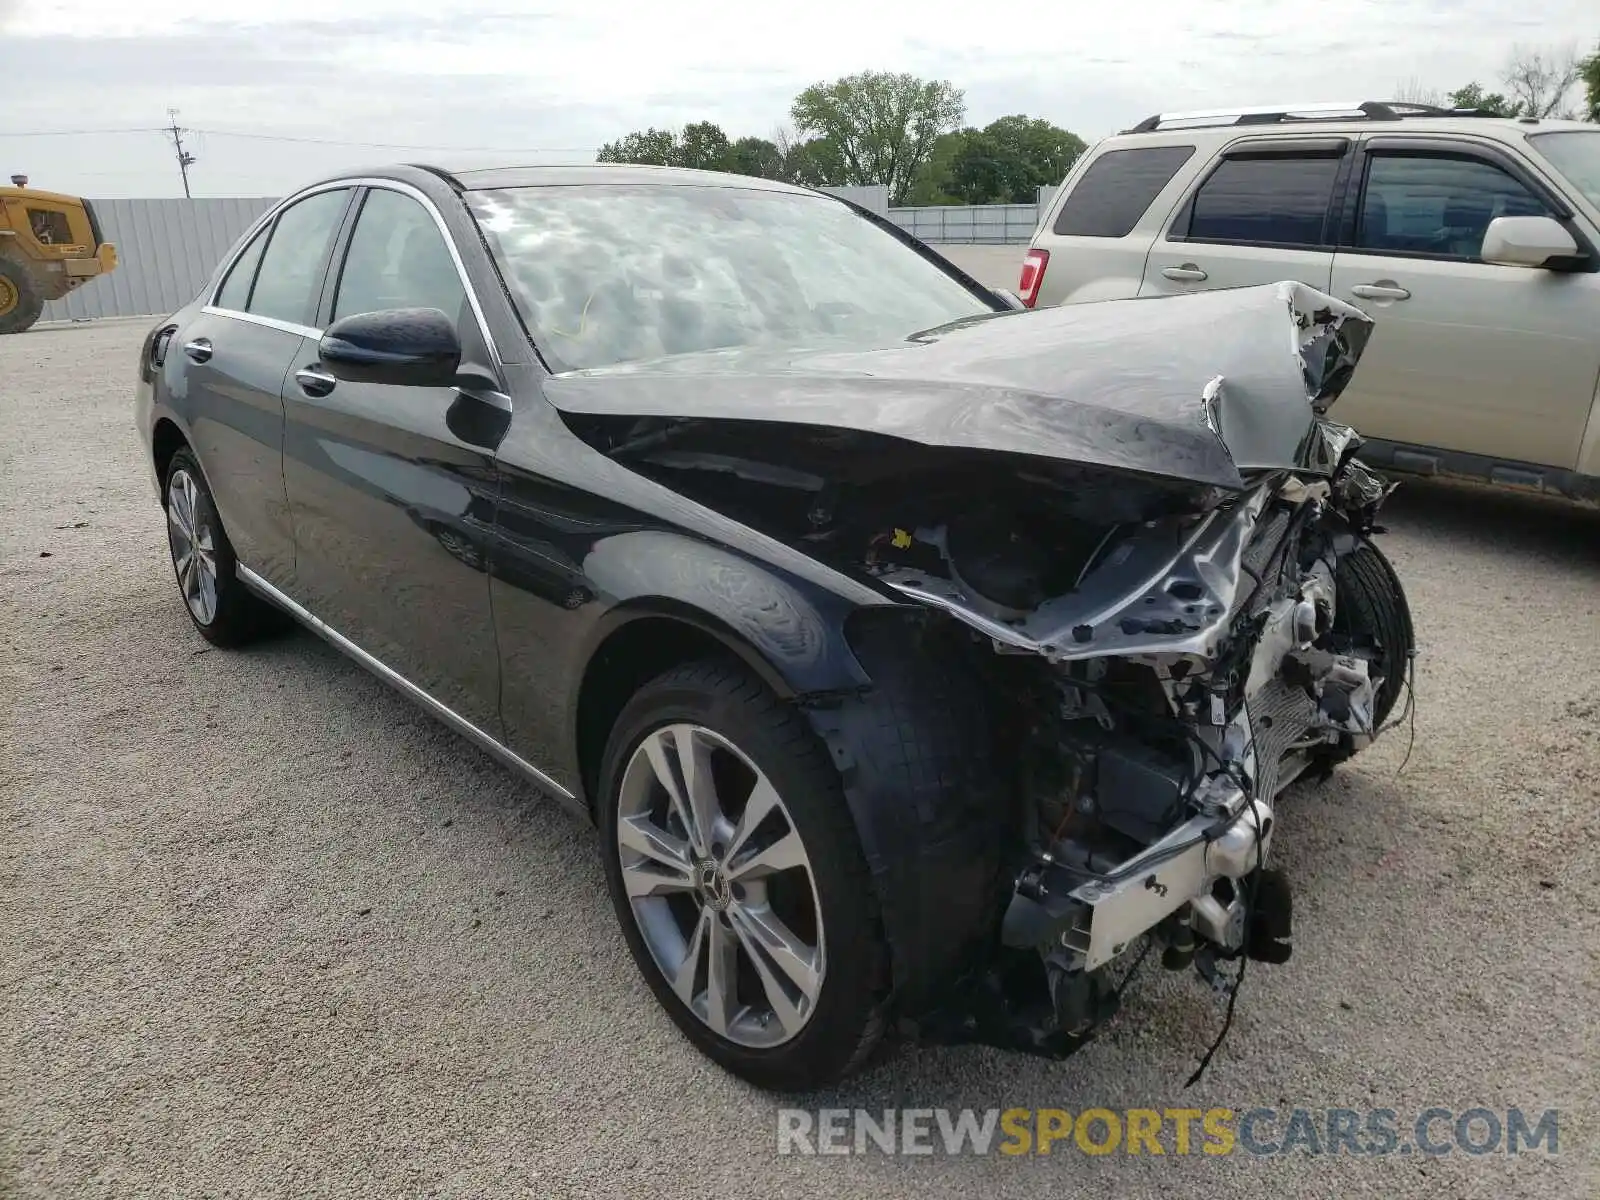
x=1261, y=1132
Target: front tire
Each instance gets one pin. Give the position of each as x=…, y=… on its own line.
x=20, y=301
x=224, y=611
x=1370, y=602
x=738, y=877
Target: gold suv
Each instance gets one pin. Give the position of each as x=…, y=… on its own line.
x=1470, y=239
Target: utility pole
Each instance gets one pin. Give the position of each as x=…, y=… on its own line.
x=185, y=159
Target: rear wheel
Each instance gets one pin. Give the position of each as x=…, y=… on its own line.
x=20, y=301
x=224, y=611
x=739, y=879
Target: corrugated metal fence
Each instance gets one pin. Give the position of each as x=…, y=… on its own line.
x=997, y=224
x=968, y=223
x=166, y=250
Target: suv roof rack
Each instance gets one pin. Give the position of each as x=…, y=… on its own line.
x=1293, y=114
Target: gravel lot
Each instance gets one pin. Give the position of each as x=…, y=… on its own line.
x=266, y=930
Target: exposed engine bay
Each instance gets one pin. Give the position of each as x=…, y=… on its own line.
x=1160, y=657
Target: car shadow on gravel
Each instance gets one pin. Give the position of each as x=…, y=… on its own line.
x=1464, y=513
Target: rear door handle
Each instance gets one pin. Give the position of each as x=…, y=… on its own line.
x=1188, y=273
x=314, y=381
x=1380, y=291
x=199, y=349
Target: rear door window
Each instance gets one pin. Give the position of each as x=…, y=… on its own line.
x=1271, y=200
x=1436, y=205
x=235, y=293
x=290, y=272
x=1116, y=189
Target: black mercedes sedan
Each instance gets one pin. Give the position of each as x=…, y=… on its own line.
x=923, y=662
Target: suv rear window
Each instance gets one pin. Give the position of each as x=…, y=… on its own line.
x=1278, y=200
x=1116, y=189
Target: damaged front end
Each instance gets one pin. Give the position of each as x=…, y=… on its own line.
x=1157, y=711
x=1134, y=529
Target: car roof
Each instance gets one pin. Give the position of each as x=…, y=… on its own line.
x=480, y=176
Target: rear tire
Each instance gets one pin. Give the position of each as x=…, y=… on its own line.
x=223, y=609
x=20, y=300
x=725, y=722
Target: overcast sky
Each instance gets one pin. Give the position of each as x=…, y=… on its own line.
x=553, y=84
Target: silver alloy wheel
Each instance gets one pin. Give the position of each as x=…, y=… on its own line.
x=720, y=885
x=194, y=555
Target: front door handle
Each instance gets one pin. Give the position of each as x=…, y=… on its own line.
x=314, y=381
x=1188, y=273
x=1380, y=291
x=199, y=349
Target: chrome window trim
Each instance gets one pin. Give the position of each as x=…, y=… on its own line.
x=265, y=322
x=392, y=185
x=389, y=675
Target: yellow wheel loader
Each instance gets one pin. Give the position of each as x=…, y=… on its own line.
x=49, y=245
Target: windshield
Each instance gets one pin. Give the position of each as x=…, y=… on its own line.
x=613, y=274
x=1576, y=154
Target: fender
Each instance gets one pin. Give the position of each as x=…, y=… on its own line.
x=789, y=631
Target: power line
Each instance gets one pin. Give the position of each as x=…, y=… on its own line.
x=290, y=137
x=286, y=137
x=77, y=132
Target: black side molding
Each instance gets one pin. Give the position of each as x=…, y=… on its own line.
x=1480, y=468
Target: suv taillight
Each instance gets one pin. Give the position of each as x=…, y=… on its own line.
x=1033, y=265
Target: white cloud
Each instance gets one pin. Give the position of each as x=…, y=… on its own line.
x=577, y=72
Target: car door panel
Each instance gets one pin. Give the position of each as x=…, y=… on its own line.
x=1466, y=356
x=231, y=401
x=1259, y=215
x=392, y=517
x=234, y=355
x=393, y=488
x=1499, y=361
x=1174, y=269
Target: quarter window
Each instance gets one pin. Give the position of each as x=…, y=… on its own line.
x=1430, y=204
x=397, y=259
x=286, y=283
x=1275, y=200
x=1116, y=189
x=235, y=293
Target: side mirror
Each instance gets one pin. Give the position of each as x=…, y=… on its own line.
x=408, y=347
x=1010, y=299
x=1527, y=242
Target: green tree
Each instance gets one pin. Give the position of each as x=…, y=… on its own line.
x=756, y=156
x=1473, y=96
x=653, y=147
x=815, y=162
x=932, y=184
x=1589, y=73
x=1046, y=153
x=883, y=125
x=983, y=171
x=703, y=146
x=1006, y=162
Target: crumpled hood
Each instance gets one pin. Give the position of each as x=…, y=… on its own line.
x=1205, y=388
